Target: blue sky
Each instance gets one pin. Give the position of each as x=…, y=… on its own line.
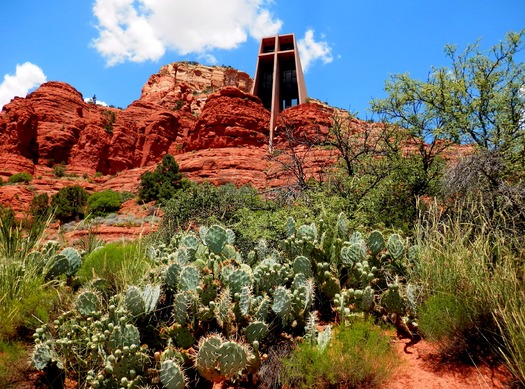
x=111, y=47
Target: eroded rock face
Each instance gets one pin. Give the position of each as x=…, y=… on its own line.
x=204, y=116
x=230, y=118
x=185, y=85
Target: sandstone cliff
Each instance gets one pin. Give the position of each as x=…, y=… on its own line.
x=205, y=116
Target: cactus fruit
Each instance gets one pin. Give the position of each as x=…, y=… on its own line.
x=215, y=238
x=171, y=375
x=395, y=246
x=87, y=303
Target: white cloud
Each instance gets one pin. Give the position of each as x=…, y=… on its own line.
x=27, y=76
x=311, y=50
x=143, y=30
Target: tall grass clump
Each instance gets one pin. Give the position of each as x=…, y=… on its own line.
x=120, y=264
x=471, y=276
x=25, y=295
x=359, y=355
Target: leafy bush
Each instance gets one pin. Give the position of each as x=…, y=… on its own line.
x=162, y=183
x=69, y=203
x=359, y=356
x=21, y=177
x=444, y=318
x=120, y=264
x=40, y=205
x=102, y=203
x=59, y=170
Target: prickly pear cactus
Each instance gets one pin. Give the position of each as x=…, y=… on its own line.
x=57, y=266
x=206, y=358
x=87, y=303
x=74, y=261
x=392, y=300
x=172, y=275
x=189, y=278
x=395, y=246
x=282, y=303
x=216, y=238
x=171, y=375
x=302, y=265
x=256, y=331
x=231, y=359
x=134, y=301
x=376, y=242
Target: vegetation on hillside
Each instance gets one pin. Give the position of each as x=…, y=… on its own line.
x=234, y=286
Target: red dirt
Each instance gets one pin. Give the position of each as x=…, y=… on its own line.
x=423, y=368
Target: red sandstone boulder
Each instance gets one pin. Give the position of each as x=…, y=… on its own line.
x=230, y=118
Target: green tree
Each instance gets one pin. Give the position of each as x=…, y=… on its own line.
x=161, y=183
x=69, y=203
x=479, y=100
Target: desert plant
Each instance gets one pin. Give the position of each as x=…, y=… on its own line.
x=119, y=264
x=21, y=177
x=473, y=273
x=102, y=203
x=69, y=203
x=363, y=354
x=162, y=183
x=59, y=170
x=25, y=294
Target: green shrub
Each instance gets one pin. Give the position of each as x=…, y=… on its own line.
x=358, y=356
x=59, y=171
x=102, y=203
x=121, y=264
x=443, y=317
x=20, y=178
x=40, y=205
x=69, y=203
x=162, y=183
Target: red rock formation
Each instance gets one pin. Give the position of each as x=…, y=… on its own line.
x=202, y=115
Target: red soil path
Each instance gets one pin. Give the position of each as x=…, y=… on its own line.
x=424, y=368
